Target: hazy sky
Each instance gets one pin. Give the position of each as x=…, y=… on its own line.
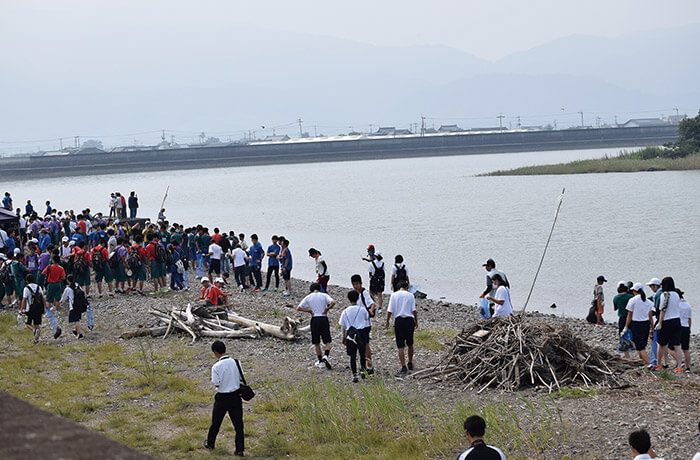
x=489, y=30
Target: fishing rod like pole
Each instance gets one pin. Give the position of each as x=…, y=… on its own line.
x=556, y=214
x=162, y=204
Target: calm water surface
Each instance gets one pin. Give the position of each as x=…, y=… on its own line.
x=444, y=221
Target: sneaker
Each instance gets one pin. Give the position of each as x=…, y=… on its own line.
x=263, y=289
x=403, y=371
x=363, y=374
x=75, y=333
x=57, y=334
x=327, y=362
x=410, y=365
x=140, y=292
x=355, y=379
x=678, y=370
x=370, y=371
x=36, y=335
x=286, y=293
x=658, y=368
x=276, y=289
x=111, y=295
x=100, y=296
x=207, y=445
x=80, y=336
x=239, y=454
x=320, y=364
x=256, y=290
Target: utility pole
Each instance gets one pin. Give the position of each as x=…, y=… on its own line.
x=422, y=125
x=676, y=109
x=519, y=122
x=301, y=134
x=615, y=120
x=597, y=122
x=581, y=113
x=77, y=142
x=61, y=142
x=315, y=135
x=500, y=121
x=162, y=136
x=370, y=128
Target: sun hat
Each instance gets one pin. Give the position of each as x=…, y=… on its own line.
x=204, y=278
x=654, y=281
x=637, y=287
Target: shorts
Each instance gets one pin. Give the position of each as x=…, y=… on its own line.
x=74, y=316
x=670, y=333
x=685, y=338
x=155, y=270
x=105, y=274
x=365, y=333
x=215, y=266
x=141, y=273
x=621, y=321
x=41, y=279
x=162, y=270
x=34, y=316
x=640, y=334
x=287, y=275
x=120, y=274
x=376, y=287
x=84, y=279
x=54, y=292
x=403, y=329
x=320, y=330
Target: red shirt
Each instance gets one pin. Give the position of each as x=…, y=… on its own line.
x=77, y=251
x=83, y=226
x=56, y=273
x=105, y=254
x=213, y=295
x=216, y=237
x=143, y=254
x=151, y=251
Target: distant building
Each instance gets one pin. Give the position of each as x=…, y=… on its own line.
x=391, y=131
x=89, y=151
x=646, y=122
x=450, y=129
x=282, y=138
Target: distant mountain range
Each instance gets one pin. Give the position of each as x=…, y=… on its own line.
x=238, y=78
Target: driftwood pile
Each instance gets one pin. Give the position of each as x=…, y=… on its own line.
x=508, y=354
x=199, y=321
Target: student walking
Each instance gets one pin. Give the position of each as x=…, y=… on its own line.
x=475, y=429
x=318, y=304
x=273, y=264
x=239, y=257
x=686, y=316
x=226, y=377
x=257, y=253
x=402, y=305
x=501, y=298
x=365, y=300
x=54, y=281
x=77, y=305
x=399, y=273
x=638, y=320
x=352, y=323
x=669, y=324
x=322, y=276
x=377, y=279
x=33, y=305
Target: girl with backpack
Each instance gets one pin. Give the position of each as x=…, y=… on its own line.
x=77, y=304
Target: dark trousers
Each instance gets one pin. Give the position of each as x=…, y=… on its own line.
x=255, y=271
x=270, y=270
x=132, y=213
x=231, y=403
x=239, y=275
x=352, y=351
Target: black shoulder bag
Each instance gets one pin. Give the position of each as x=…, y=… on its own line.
x=247, y=393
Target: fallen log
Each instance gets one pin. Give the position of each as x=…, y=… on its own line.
x=143, y=332
x=248, y=333
x=269, y=329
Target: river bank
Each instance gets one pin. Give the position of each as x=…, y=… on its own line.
x=154, y=394
x=606, y=165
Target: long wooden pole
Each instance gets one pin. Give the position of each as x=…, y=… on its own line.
x=164, y=197
x=556, y=214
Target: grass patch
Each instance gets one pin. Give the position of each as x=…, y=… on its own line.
x=434, y=339
x=374, y=420
x=625, y=162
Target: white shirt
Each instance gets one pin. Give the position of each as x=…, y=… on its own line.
x=686, y=313
x=320, y=269
x=317, y=302
x=69, y=295
x=225, y=376
x=22, y=223
x=368, y=302
x=215, y=251
x=239, y=256
x=502, y=293
x=354, y=316
x=111, y=244
x=643, y=457
x=469, y=451
x=640, y=308
x=673, y=309
x=402, y=304
x=378, y=264
x=27, y=294
x=490, y=274
x=3, y=237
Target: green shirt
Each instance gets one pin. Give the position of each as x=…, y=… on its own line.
x=620, y=303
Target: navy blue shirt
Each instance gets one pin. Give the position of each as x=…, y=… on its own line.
x=272, y=260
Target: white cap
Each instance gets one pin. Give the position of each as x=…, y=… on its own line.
x=378, y=253
x=3, y=256
x=18, y=251
x=622, y=283
x=204, y=278
x=33, y=240
x=219, y=280
x=72, y=243
x=654, y=281
x=116, y=221
x=637, y=287
x=65, y=238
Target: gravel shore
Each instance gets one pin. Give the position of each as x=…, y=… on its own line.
x=599, y=423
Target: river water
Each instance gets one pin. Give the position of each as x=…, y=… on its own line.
x=444, y=221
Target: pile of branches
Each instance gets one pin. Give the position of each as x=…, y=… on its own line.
x=199, y=320
x=508, y=354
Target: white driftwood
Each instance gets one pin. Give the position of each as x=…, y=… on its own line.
x=268, y=329
x=185, y=327
x=248, y=332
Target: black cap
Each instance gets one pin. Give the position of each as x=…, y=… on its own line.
x=489, y=262
x=601, y=279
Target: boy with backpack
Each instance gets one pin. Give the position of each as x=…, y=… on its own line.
x=137, y=263
x=366, y=301
x=155, y=255
x=352, y=323
x=81, y=266
x=54, y=281
x=33, y=305
x=103, y=271
x=377, y=279
x=399, y=273
x=77, y=304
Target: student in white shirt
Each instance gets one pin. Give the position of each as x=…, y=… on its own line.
x=239, y=257
x=34, y=313
x=501, y=298
x=352, y=323
x=402, y=305
x=318, y=304
x=226, y=378
x=214, y=254
x=640, y=444
x=366, y=301
x=639, y=318
x=686, y=312
x=322, y=276
x=69, y=296
x=669, y=325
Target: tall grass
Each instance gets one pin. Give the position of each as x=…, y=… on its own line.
x=374, y=420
